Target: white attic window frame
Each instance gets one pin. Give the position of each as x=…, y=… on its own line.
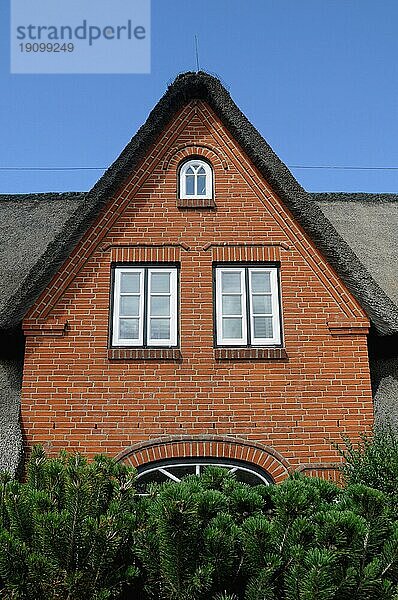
x=191, y=184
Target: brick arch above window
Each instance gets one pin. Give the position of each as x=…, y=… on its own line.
x=208, y=446
x=185, y=151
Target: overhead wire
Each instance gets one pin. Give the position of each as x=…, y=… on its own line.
x=337, y=167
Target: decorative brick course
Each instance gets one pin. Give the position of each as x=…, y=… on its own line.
x=246, y=252
x=168, y=253
x=144, y=354
x=250, y=354
x=196, y=203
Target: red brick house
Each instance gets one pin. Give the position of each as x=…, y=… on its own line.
x=195, y=306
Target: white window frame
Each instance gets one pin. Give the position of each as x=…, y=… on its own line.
x=144, y=340
x=276, y=324
x=183, y=179
x=116, y=340
x=219, y=314
x=248, y=338
x=172, y=340
x=198, y=466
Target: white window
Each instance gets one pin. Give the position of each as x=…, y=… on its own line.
x=196, y=180
x=247, y=306
x=176, y=470
x=145, y=307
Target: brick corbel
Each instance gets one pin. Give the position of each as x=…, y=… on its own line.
x=348, y=327
x=33, y=327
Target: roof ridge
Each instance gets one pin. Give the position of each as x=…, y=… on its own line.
x=354, y=196
x=38, y=195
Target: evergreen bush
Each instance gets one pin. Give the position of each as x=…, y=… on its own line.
x=77, y=530
x=373, y=461
x=66, y=533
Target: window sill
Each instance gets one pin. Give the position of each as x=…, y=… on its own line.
x=250, y=354
x=144, y=354
x=195, y=203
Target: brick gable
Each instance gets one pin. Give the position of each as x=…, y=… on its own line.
x=296, y=400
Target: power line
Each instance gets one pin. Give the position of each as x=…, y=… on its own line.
x=53, y=168
x=335, y=167
x=343, y=168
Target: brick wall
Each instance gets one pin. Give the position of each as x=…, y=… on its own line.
x=79, y=394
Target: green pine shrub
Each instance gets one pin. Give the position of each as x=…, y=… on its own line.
x=77, y=530
x=373, y=461
x=189, y=545
x=305, y=539
x=66, y=533
x=321, y=543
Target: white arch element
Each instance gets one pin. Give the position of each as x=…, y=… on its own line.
x=196, y=179
x=175, y=470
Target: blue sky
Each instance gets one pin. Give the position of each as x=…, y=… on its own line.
x=317, y=78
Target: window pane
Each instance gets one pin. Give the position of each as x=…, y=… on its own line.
x=147, y=478
x=248, y=477
x=232, y=328
x=160, y=306
x=231, y=305
x=129, y=306
x=230, y=282
x=130, y=282
x=190, y=171
x=189, y=185
x=263, y=327
x=128, y=329
x=159, y=329
x=261, y=282
x=262, y=305
x=182, y=471
x=201, y=170
x=160, y=282
x=201, y=182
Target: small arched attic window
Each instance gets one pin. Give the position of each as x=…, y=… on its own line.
x=195, y=180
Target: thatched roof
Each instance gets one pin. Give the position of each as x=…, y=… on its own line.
x=369, y=224
x=11, y=445
x=30, y=224
x=65, y=218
